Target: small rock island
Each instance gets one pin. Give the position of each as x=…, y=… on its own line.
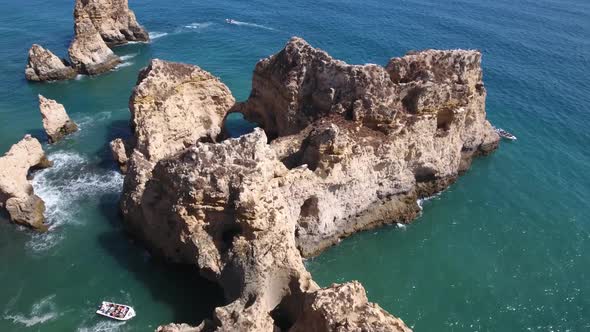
x=341, y=148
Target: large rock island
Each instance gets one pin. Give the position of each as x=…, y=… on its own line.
x=342, y=148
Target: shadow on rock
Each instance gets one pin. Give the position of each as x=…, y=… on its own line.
x=191, y=297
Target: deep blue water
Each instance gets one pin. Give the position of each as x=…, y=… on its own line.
x=505, y=248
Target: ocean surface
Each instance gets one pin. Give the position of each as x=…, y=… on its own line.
x=506, y=248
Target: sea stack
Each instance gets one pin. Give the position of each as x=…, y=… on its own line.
x=90, y=55
x=113, y=20
x=43, y=65
x=56, y=121
x=342, y=148
x=16, y=193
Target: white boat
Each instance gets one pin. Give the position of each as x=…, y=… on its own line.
x=116, y=311
x=230, y=21
x=503, y=133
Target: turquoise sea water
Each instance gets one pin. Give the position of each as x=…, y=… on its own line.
x=505, y=248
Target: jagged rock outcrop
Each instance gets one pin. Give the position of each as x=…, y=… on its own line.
x=113, y=20
x=172, y=107
x=56, y=121
x=16, y=193
x=43, y=65
x=351, y=148
x=90, y=55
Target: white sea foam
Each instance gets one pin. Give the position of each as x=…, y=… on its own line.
x=421, y=201
x=87, y=121
x=70, y=180
x=41, y=312
x=252, y=25
x=103, y=326
x=128, y=56
x=124, y=64
x=156, y=35
x=199, y=25
x=79, y=77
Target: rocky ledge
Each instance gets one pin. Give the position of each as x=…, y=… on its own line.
x=56, y=121
x=16, y=193
x=343, y=148
x=113, y=20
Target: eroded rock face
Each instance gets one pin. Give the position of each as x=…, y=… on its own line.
x=344, y=308
x=56, y=121
x=16, y=193
x=90, y=55
x=43, y=65
x=113, y=20
x=172, y=107
x=352, y=147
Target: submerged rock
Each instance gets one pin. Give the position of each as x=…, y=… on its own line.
x=351, y=148
x=90, y=55
x=113, y=20
x=56, y=121
x=16, y=193
x=43, y=65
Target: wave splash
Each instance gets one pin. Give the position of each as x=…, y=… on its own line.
x=43, y=311
x=71, y=179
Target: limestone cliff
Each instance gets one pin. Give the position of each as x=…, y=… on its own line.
x=56, y=121
x=43, y=65
x=90, y=55
x=113, y=20
x=16, y=193
x=351, y=147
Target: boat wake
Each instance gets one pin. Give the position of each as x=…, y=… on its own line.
x=128, y=56
x=103, y=326
x=157, y=35
x=199, y=25
x=43, y=311
x=71, y=179
x=252, y=25
x=124, y=64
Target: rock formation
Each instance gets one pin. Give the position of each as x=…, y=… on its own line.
x=56, y=121
x=16, y=193
x=90, y=55
x=351, y=147
x=43, y=65
x=120, y=150
x=96, y=24
x=113, y=20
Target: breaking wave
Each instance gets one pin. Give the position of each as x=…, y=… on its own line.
x=41, y=312
x=71, y=179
